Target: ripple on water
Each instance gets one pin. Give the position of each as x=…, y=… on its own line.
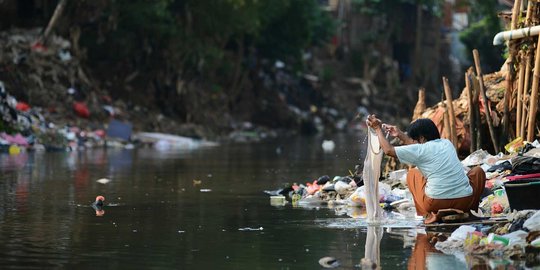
x=389, y=220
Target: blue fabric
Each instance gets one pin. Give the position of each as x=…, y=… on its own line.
x=438, y=162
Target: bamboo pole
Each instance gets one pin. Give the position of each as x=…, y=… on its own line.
x=524, y=94
x=529, y=12
x=521, y=82
x=480, y=132
x=475, y=84
x=524, y=119
x=487, y=108
x=533, y=105
x=54, y=19
x=451, y=115
x=516, y=12
x=420, y=107
x=472, y=118
x=446, y=122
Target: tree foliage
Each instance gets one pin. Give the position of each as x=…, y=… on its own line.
x=485, y=25
x=199, y=34
x=211, y=45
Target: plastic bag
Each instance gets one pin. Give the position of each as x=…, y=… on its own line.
x=533, y=223
x=358, y=197
x=514, y=145
x=475, y=158
x=460, y=234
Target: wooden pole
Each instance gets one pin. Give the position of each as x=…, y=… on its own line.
x=516, y=12
x=475, y=86
x=54, y=19
x=529, y=11
x=487, y=108
x=472, y=118
x=524, y=94
x=451, y=115
x=507, y=95
x=521, y=82
x=524, y=119
x=533, y=105
x=420, y=107
x=446, y=122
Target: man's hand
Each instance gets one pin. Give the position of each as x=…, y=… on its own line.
x=392, y=130
x=373, y=122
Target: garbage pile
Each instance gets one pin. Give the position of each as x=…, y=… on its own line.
x=501, y=171
x=49, y=103
x=43, y=75
x=519, y=239
x=505, y=174
x=26, y=128
x=342, y=190
x=40, y=84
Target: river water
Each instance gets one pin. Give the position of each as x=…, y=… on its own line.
x=199, y=209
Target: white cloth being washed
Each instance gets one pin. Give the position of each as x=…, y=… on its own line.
x=371, y=174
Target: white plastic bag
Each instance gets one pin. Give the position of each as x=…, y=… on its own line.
x=461, y=233
x=533, y=223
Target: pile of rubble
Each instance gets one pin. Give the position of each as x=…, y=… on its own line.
x=48, y=102
x=519, y=239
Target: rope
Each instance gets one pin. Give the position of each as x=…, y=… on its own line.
x=370, y=145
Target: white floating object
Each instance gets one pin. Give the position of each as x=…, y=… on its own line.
x=328, y=146
x=251, y=229
x=205, y=190
x=103, y=181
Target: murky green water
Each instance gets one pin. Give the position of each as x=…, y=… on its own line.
x=158, y=217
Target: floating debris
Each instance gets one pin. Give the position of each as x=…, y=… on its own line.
x=248, y=229
x=103, y=181
x=329, y=262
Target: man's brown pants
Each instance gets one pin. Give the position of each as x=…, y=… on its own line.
x=424, y=204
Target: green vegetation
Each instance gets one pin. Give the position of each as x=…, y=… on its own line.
x=485, y=25
x=209, y=36
x=209, y=47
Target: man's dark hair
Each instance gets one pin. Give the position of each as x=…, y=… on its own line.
x=423, y=127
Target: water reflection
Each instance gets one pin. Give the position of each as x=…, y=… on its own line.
x=13, y=162
x=422, y=248
x=372, y=257
x=426, y=256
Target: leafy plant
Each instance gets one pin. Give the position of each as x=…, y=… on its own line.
x=480, y=33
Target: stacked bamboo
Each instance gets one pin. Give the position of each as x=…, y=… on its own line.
x=522, y=98
x=518, y=105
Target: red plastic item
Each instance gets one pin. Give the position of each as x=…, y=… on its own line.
x=312, y=187
x=100, y=133
x=496, y=208
x=524, y=176
x=81, y=109
x=22, y=106
x=38, y=47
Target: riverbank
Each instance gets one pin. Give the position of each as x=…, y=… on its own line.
x=506, y=224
